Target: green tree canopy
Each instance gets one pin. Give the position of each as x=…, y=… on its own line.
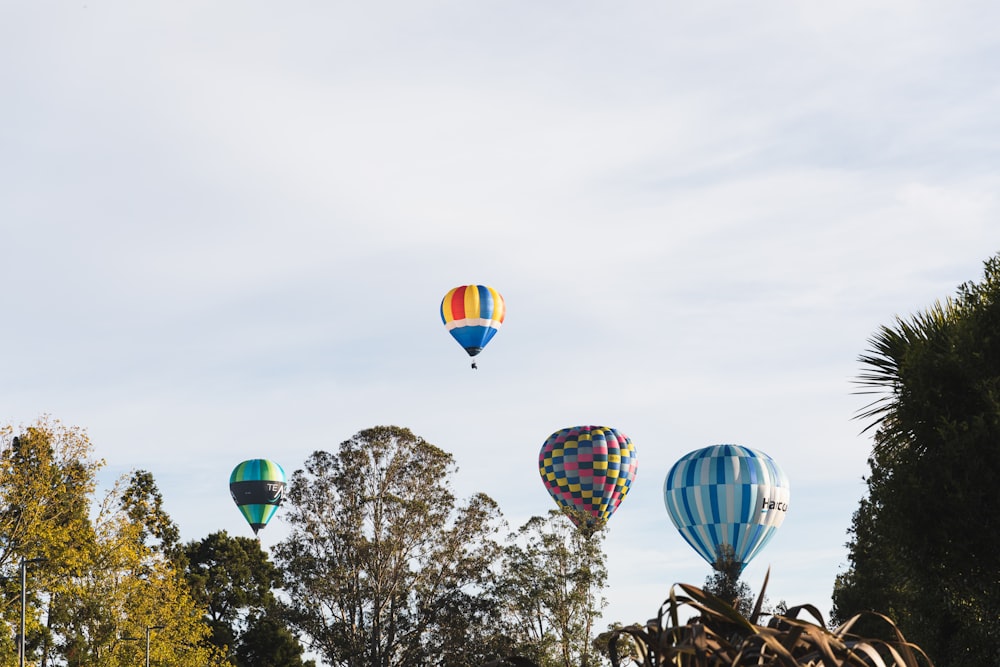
x=924, y=543
x=724, y=582
x=268, y=641
x=552, y=582
x=383, y=566
x=233, y=578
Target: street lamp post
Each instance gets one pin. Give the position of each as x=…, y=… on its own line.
x=24, y=604
x=148, y=628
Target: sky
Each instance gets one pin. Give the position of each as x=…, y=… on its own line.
x=227, y=227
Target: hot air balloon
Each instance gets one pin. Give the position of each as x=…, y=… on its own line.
x=588, y=470
x=473, y=315
x=726, y=495
x=257, y=486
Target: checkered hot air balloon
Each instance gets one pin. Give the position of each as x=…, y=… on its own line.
x=257, y=486
x=726, y=495
x=473, y=315
x=588, y=470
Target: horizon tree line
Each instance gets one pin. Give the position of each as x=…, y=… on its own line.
x=384, y=566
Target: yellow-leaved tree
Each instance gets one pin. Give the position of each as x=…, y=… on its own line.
x=47, y=478
x=130, y=594
x=98, y=587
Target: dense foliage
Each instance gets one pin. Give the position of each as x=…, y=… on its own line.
x=384, y=566
x=97, y=585
x=551, y=581
x=725, y=583
x=234, y=580
x=925, y=542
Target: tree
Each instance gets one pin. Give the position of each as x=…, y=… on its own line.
x=95, y=580
x=124, y=588
x=47, y=475
x=233, y=578
x=725, y=583
x=553, y=575
x=924, y=543
x=383, y=566
x=268, y=641
x=143, y=503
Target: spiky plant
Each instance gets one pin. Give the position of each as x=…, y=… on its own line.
x=718, y=636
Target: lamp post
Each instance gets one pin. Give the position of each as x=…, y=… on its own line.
x=149, y=629
x=24, y=604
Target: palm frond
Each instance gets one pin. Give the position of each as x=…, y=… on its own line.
x=885, y=362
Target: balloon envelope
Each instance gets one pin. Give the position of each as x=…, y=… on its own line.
x=473, y=315
x=588, y=469
x=726, y=494
x=257, y=486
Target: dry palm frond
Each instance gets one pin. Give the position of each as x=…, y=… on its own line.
x=720, y=637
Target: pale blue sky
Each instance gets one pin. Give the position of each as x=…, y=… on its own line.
x=226, y=228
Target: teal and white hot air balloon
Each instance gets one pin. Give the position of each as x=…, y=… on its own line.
x=257, y=487
x=726, y=495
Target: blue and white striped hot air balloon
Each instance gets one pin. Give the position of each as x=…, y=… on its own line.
x=726, y=495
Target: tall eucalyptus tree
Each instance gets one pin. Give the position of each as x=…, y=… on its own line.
x=384, y=567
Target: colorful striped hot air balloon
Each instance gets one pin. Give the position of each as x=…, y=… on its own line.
x=726, y=495
x=473, y=315
x=257, y=486
x=588, y=470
